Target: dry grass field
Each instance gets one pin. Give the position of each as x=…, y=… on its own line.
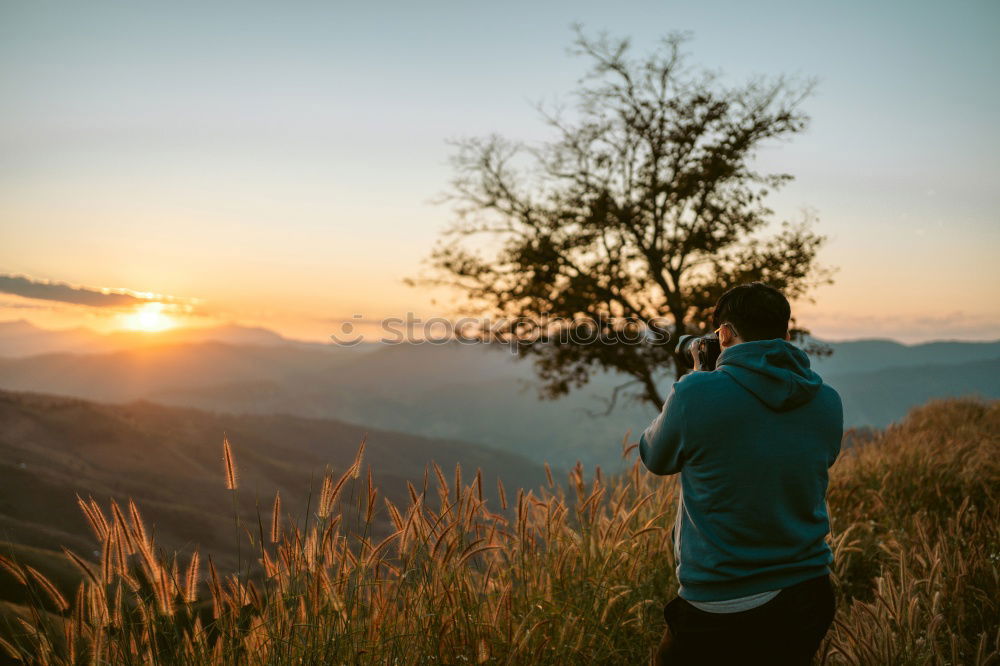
x=569, y=573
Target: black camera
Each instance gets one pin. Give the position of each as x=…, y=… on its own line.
x=705, y=346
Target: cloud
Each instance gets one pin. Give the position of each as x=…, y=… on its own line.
x=20, y=305
x=27, y=287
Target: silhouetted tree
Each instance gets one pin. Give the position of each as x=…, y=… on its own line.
x=644, y=208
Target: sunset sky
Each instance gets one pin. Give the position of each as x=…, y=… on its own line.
x=274, y=164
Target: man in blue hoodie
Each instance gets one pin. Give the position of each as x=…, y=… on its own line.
x=752, y=439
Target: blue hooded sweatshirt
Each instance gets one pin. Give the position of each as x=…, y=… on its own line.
x=753, y=441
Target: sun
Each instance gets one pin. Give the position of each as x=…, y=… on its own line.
x=148, y=318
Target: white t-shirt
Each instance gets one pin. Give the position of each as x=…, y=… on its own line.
x=736, y=605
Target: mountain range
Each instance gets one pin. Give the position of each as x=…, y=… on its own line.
x=474, y=393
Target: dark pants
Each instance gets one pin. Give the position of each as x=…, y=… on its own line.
x=786, y=630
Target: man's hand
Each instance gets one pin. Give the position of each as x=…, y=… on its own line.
x=696, y=355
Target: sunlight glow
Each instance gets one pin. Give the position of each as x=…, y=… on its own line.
x=149, y=318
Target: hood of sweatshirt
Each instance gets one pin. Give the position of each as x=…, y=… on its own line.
x=775, y=371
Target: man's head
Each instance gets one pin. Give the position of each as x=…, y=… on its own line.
x=749, y=312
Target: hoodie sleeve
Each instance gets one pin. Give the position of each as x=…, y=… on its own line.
x=660, y=447
x=838, y=440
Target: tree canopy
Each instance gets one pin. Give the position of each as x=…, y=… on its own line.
x=644, y=207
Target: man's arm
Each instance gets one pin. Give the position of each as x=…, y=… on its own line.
x=660, y=447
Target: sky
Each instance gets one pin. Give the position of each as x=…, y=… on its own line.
x=278, y=164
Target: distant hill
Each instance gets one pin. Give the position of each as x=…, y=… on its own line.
x=170, y=461
x=880, y=396
x=869, y=355
x=472, y=393
x=143, y=372
x=21, y=338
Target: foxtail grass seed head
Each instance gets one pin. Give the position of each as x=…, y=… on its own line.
x=14, y=569
x=84, y=568
x=276, y=518
x=371, y=494
x=331, y=491
x=53, y=593
x=230, y=464
x=325, y=493
x=138, y=527
x=191, y=579
x=359, y=456
x=97, y=524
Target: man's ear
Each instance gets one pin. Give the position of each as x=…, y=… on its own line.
x=726, y=336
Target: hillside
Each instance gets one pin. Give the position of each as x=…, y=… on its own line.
x=574, y=578
x=170, y=461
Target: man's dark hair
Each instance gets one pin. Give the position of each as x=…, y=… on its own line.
x=756, y=311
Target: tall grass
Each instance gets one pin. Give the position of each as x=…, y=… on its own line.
x=565, y=574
